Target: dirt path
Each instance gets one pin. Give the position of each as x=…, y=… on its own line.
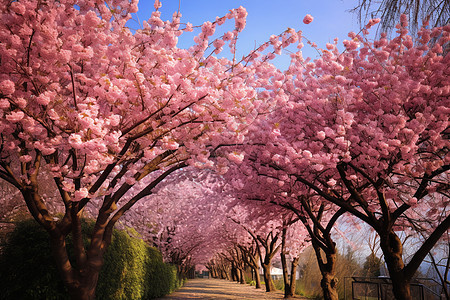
x=207, y=289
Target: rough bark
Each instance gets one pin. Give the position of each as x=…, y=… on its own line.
x=251, y=257
x=293, y=279
x=323, y=245
x=82, y=282
x=234, y=273
x=271, y=248
x=257, y=278
x=288, y=291
x=287, y=286
x=328, y=283
x=392, y=249
x=270, y=286
x=242, y=277
x=289, y=282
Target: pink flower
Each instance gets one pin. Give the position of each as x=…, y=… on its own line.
x=18, y=8
x=75, y=141
x=15, y=117
x=307, y=154
x=218, y=43
x=7, y=87
x=308, y=19
x=372, y=22
x=189, y=27
x=318, y=167
x=68, y=186
x=114, y=120
x=228, y=36
x=236, y=157
x=80, y=194
x=276, y=132
x=43, y=99
x=412, y=202
x=25, y=158
x=331, y=182
x=157, y=4
x=91, y=19
x=4, y=104
x=321, y=135
x=171, y=145
x=351, y=45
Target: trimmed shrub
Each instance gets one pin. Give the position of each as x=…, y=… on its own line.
x=27, y=267
x=131, y=270
x=162, y=280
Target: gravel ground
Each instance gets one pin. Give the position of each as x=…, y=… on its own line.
x=208, y=289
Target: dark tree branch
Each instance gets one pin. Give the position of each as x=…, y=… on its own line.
x=426, y=247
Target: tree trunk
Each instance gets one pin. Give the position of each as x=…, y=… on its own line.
x=293, y=280
x=212, y=272
x=86, y=291
x=287, y=283
x=81, y=284
x=241, y=275
x=254, y=264
x=329, y=285
x=393, y=249
x=234, y=274
x=270, y=287
x=226, y=274
x=255, y=276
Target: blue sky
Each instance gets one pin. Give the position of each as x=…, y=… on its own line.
x=331, y=19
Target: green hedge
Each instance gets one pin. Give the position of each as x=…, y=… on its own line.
x=132, y=270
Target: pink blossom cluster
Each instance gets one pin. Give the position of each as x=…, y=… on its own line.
x=369, y=121
x=89, y=88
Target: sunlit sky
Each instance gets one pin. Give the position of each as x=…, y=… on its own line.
x=332, y=18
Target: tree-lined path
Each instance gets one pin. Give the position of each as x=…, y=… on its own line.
x=221, y=289
x=217, y=157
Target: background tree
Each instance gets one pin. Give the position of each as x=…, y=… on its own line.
x=372, y=265
x=265, y=228
x=293, y=242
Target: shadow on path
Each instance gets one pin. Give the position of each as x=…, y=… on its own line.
x=207, y=289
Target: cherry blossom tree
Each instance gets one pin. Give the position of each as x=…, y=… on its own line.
x=219, y=267
x=293, y=241
x=251, y=257
x=109, y=113
x=265, y=228
x=99, y=107
x=317, y=217
x=230, y=246
x=188, y=226
x=367, y=130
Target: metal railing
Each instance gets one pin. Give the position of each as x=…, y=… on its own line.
x=380, y=288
